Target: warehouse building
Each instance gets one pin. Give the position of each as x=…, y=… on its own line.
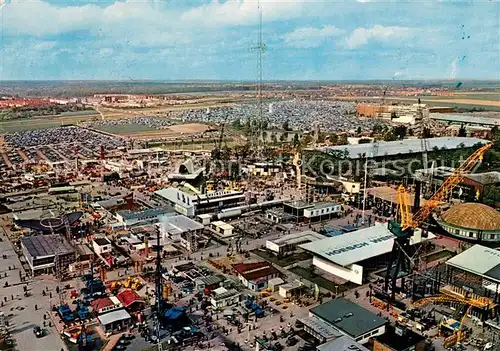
x=42, y=252
x=351, y=256
x=401, y=148
x=347, y=318
x=476, y=270
x=150, y=215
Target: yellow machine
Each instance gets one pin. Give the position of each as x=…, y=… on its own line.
x=408, y=221
x=483, y=303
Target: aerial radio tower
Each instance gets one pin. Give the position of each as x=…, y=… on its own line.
x=261, y=49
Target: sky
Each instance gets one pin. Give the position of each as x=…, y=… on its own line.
x=217, y=39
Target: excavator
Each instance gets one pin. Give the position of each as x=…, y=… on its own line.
x=405, y=223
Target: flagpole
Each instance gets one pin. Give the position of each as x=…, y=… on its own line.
x=364, y=192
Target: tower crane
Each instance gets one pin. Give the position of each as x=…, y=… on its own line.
x=400, y=263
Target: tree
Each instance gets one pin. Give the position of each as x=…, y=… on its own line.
x=390, y=136
x=307, y=139
x=359, y=130
x=274, y=139
x=286, y=126
x=296, y=140
x=264, y=136
x=283, y=137
x=236, y=124
x=342, y=139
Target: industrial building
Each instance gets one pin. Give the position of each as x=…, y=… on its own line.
x=222, y=229
x=342, y=343
x=401, y=148
x=192, y=204
x=42, y=252
x=478, y=270
x=174, y=227
x=351, y=256
x=472, y=222
x=322, y=211
x=465, y=119
x=349, y=319
x=255, y=276
x=289, y=243
x=150, y=215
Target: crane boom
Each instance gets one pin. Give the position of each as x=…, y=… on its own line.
x=440, y=195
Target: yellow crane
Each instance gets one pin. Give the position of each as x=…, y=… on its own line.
x=400, y=263
x=411, y=222
x=483, y=303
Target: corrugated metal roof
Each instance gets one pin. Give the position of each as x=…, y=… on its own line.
x=113, y=316
x=406, y=146
x=359, y=245
x=478, y=260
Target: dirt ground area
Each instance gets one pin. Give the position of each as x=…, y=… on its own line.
x=170, y=132
x=189, y=128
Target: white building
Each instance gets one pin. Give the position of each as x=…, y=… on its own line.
x=222, y=229
x=190, y=204
x=322, y=211
x=347, y=318
x=289, y=243
x=173, y=227
x=221, y=297
x=149, y=215
x=101, y=246
x=343, y=255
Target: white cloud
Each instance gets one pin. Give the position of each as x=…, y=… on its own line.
x=454, y=68
x=244, y=12
x=310, y=37
x=45, y=45
x=361, y=36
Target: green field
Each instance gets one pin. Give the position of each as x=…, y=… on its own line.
x=125, y=129
x=20, y=126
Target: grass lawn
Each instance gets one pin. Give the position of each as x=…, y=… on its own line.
x=322, y=282
x=24, y=125
x=287, y=261
x=124, y=129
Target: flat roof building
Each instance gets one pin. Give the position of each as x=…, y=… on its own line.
x=190, y=204
x=150, y=215
x=401, y=147
x=173, y=227
x=343, y=255
x=342, y=343
x=350, y=319
x=289, y=243
x=41, y=251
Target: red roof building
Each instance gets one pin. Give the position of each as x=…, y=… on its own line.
x=130, y=299
x=105, y=304
x=255, y=275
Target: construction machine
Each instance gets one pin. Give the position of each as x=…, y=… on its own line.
x=404, y=224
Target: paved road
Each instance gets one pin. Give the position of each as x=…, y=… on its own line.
x=20, y=310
